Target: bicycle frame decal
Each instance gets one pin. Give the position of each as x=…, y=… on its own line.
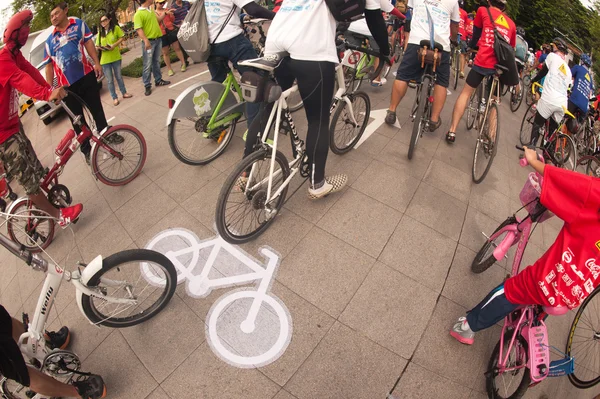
x=247, y=327
x=201, y=101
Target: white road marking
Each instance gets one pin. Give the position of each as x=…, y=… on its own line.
x=108, y=121
x=185, y=80
x=379, y=118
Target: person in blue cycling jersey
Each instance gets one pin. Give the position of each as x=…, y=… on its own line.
x=583, y=87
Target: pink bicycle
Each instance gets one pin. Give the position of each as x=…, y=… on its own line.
x=521, y=358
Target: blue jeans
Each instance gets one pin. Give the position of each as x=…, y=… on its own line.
x=112, y=71
x=152, y=62
x=235, y=49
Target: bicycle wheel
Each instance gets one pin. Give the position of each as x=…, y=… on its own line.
x=564, y=152
x=487, y=145
x=420, y=117
x=295, y=101
x=472, y=110
x=504, y=90
x=584, y=345
x=122, y=277
x=485, y=257
x=511, y=384
x=30, y=226
x=593, y=167
x=527, y=125
x=343, y=133
x=516, y=99
x=456, y=67
x=119, y=156
x=242, y=213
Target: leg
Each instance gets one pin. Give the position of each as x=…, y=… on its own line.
x=241, y=49
x=46, y=385
x=538, y=125
x=90, y=93
x=147, y=67
x=439, y=99
x=460, y=106
x=156, y=51
x=119, y=77
x=166, y=57
x=409, y=69
x=108, y=72
x=177, y=48
x=440, y=91
x=398, y=93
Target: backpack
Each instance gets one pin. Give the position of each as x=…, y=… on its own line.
x=346, y=10
x=521, y=49
x=505, y=56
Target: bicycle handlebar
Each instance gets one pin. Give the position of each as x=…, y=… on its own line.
x=382, y=58
x=33, y=260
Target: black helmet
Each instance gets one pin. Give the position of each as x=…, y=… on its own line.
x=561, y=45
x=520, y=31
x=461, y=3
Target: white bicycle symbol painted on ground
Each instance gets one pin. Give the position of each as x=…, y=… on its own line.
x=246, y=327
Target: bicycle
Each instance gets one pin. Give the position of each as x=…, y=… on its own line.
x=120, y=149
x=107, y=294
x=516, y=96
x=455, y=62
x=398, y=41
x=360, y=65
x=255, y=187
x=522, y=353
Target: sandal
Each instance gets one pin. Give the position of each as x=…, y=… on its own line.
x=116, y=102
x=127, y=95
x=433, y=126
x=450, y=137
x=379, y=83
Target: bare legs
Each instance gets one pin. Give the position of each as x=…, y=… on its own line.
x=439, y=98
x=460, y=106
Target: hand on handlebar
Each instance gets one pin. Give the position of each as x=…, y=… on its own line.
x=530, y=155
x=58, y=94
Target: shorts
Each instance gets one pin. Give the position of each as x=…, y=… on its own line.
x=477, y=74
x=410, y=67
x=21, y=162
x=547, y=110
x=351, y=37
x=169, y=38
x=12, y=364
x=407, y=24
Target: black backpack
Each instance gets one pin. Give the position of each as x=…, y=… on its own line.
x=346, y=10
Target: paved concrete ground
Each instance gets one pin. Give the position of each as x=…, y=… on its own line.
x=373, y=277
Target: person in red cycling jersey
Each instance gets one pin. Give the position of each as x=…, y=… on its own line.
x=462, y=32
x=16, y=152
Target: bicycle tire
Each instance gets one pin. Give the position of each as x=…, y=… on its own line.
x=492, y=108
x=25, y=207
x=526, y=126
x=139, y=151
x=472, y=110
x=515, y=105
x=568, y=158
x=415, y=105
x=456, y=68
x=593, y=166
x=340, y=150
x=573, y=378
x=504, y=90
x=525, y=381
x=419, y=122
x=200, y=160
x=528, y=96
x=232, y=182
x=482, y=260
x=116, y=261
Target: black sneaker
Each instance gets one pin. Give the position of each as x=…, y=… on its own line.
x=148, y=91
x=91, y=387
x=58, y=339
x=87, y=157
x=162, y=83
x=390, y=117
x=115, y=139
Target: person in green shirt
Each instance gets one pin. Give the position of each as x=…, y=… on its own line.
x=145, y=21
x=108, y=40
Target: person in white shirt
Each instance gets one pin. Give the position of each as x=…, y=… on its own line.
x=445, y=15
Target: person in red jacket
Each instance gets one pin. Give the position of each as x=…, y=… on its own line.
x=16, y=153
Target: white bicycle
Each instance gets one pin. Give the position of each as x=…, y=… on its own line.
x=240, y=328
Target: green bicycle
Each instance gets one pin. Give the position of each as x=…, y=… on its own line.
x=358, y=66
x=202, y=120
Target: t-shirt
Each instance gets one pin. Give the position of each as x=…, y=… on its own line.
x=304, y=29
x=469, y=29
x=179, y=12
x=486, y=57
x=462, y=24
x=582, y=87
x=541, y=60
x=17, y=75
x=556, y=82
x=521, y=49
x=216, y=14
x=360, y=26
x=442, y=12
x=66, y=52
x=568, y=272
x=108, y=40
x=146, y=20
x=167, y=22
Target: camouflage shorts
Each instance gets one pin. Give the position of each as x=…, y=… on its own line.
x=21, y=162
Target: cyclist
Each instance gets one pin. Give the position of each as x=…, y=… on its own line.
x=462, y=36
x=582, y=90
x=521, y=53
x=485, y=60
x=445, y=17
x=16, y=152
x=567, y=273
x=557, y=77
x=13, y=366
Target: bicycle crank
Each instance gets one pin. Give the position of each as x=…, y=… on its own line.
x=61, y=363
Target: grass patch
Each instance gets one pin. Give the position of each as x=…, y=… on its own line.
x=124, y=50
x=134, y=70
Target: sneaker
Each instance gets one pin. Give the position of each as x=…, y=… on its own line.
x=114, y=139
x=86, y=155
x=462, y=332
x=461, y=75
x=390, y=117
x=69, y=215
x=91, y=387
x=170, y=73
x=332, y=184
x=58, y=339
x=148, y=91
x=183, y=68
x=240, y=184
x=163, y=83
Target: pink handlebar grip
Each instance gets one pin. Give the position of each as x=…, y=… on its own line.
x=523, y=162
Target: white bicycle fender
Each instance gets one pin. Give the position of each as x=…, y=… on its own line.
x=90, y=270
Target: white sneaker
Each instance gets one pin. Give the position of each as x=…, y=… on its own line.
x=332, y=184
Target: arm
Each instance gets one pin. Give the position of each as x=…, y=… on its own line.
x=91, y=50
x=397, y=13
x=142, y=36
x=258, y=11
x=28, y=86
x=543, y=72
x=32, y=71
x=49, y=73
x=533, y=160
x=376, y=25
x=161, y=16
x=476, y=36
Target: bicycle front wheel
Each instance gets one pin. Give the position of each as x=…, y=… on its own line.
x=472, y=109
x=123, y=276
x=456, y=67
x=344, y=133
x=119, y=156
x=513, y=383
x=487, y=145
x=485, y=257
x=243, y=212
x=584, y=343
x=30, y=226
x=527, y=126
x=420, y=117
x=564, y=152
x=516, y=99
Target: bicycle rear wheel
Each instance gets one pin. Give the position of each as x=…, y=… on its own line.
x=472, y=109
x=527, y=125
x=30, y=226
x=564, y=152
x=242, y=213
x=485, y=257
x=343, y=133
x=420, y=117
x=487, y=145
x=584, y=343
x=504, y=90
x=123, y=276
x=516, y=99
x=514, y=383
x=593, y=167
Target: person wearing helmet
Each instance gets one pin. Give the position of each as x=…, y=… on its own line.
x=554, y=99
x=581, y=92
x=16, y=153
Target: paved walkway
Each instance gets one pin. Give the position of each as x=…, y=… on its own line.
x=373, y=277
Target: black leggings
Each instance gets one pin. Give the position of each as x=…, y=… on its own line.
x=315, y=83
x=538, y=126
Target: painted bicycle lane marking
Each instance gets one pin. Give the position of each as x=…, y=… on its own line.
x=246, y=327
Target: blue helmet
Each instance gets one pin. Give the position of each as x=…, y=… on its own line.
x=586, y=60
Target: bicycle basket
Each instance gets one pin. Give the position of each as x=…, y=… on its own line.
x=530, y=195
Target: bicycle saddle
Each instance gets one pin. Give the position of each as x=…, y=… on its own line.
x=500, y=69
x=359, y=36
x=267, y=63
x=427, y=43
x=556, y=311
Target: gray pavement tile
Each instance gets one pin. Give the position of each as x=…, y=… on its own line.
x=309, y=326
x=85, y=337
x=377, y=141
x=500, y=180
x=465, y=287
x=383, y=303
x=144, y=210
x=124, y=375
x=354, y=215
x=549, y=234
x=158, y=393
x=448, y=179
x=9, y=265
x=202, y=203
x=419, y=383
x=420, y=253
x=489, y=201
x=325, y=271
x=429, y=141
x=308, y=209
x=477, y=395
x=532, y=254
x=391, y=186
x=283, y=394
x=395, y=154
x=460, y=153
x=347, y=165
x=184, y=180
x=95, y=211
x=346, y=365
x=216, y=379
x=477, y=223
x=160, y=159
x=157, y=342
x=233, y=154
x=29, y=280
x=438, y=210
x=117, y=196
x=108, y=238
